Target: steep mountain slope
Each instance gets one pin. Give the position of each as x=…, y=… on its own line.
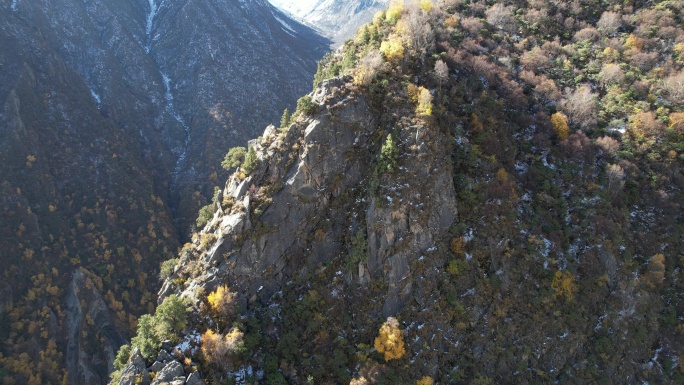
x=235, y=74
x=109, y=112
x=336, y=19
x=443, y=213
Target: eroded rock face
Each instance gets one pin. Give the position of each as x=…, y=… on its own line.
x=135, y=371
x=172, y=371
x=81, y=320
x=323, y=168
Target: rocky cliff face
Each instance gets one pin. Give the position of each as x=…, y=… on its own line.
x=310, y=196
x=114, y=117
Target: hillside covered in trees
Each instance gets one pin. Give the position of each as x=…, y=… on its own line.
x=114, y=116
x=473, y=193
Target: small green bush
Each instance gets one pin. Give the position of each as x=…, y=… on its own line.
x=205, y=215
x=167, y=268
x=169, y=319
x=389, y=155
x=251, y=161
x=306, y=106
x=235, y=157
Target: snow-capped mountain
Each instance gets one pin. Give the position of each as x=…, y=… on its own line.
x=336, y=19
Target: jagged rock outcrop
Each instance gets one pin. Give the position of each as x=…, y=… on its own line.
x=310, y=195
x=166, y=370
x=87, y=312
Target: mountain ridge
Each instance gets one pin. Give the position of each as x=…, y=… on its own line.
x=461, y=199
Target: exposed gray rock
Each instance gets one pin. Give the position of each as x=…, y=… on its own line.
x=400, y=222
x=79, y=362
x=171, y=371
x=164, y=356
x=194, y=379
x=167, y=345
x=134, y=370
x=156, y=366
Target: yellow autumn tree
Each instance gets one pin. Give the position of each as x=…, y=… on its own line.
x=564, y=285
x=218, y=349
x=390, y=341
x=656, y=270
x=392, y=49
x=222, y=302
x=426, y=380
x=394, y=11
x=424, y=102
x=677, y=121
x=560, y=125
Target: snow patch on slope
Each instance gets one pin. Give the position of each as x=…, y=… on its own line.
x=295, y=7
x=287, y=27
x=150, y=20
x=96, y=96
x=14, y=5
x=170, y=107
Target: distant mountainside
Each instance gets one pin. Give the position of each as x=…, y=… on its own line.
x=474, y=193
x=114, y=116
x=337, y=19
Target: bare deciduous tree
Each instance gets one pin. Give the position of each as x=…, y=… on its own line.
x=581, y=108
x=368, y=67
x=502, y=17
x=415, y=27
x=674, y=87
x=611, y=74
x=441, y=72
x=609, y=22
x=616, y=176
x=608, y=144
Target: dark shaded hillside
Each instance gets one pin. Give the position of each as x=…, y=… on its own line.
x=75, y=195
x=110, y=138
x=472, y=193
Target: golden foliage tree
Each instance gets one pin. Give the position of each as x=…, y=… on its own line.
x=222, y=302
x=390, y=341
x=560, y=125
x=677, y=121
x=218, y=349
x=426, y=380
x=392, y=49
x=394, y=11
x=656, y=270
x=424, y=102
x=564, y=285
